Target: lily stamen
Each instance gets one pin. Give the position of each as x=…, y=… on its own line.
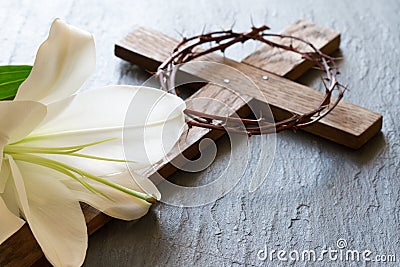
x=69, y=170
x=36, y=179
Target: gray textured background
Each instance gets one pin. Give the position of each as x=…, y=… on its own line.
x=316, y=191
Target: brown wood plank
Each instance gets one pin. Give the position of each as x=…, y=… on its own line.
x=188, y=143
x=22, y=250
x=349, y=124
x=288, y=64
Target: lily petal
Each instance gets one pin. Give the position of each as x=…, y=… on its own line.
x=63, y=63
x=53, y=213
x=9, y=196
x=154, y=123
x=4, y=174
x=120, y=205
x=18, y=119
x=100, y=114
x=9, y=222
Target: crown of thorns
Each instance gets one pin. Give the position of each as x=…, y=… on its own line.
x=189, y=49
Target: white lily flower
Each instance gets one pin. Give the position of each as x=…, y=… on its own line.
x=58, y=147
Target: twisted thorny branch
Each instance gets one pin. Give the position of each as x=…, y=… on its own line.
x=188, y=49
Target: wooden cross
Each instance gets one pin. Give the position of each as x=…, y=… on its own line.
x=348, y=124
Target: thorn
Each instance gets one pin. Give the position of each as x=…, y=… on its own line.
x=233, y=24
x=252, y=23
x=203, y=30
x=187, y=132
x=325, y=85
x=180, y=34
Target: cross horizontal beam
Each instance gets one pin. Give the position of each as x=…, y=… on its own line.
x=347, y=124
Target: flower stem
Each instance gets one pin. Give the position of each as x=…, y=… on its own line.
x=67, y=150
x=47, y=150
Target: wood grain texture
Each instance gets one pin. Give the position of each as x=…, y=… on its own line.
x=136, y=49
x=348, y=124
x=274, y=60
x=21, y=249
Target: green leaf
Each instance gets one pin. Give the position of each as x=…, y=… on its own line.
x=11, y=77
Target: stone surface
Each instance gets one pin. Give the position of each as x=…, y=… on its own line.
x=315, y=193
